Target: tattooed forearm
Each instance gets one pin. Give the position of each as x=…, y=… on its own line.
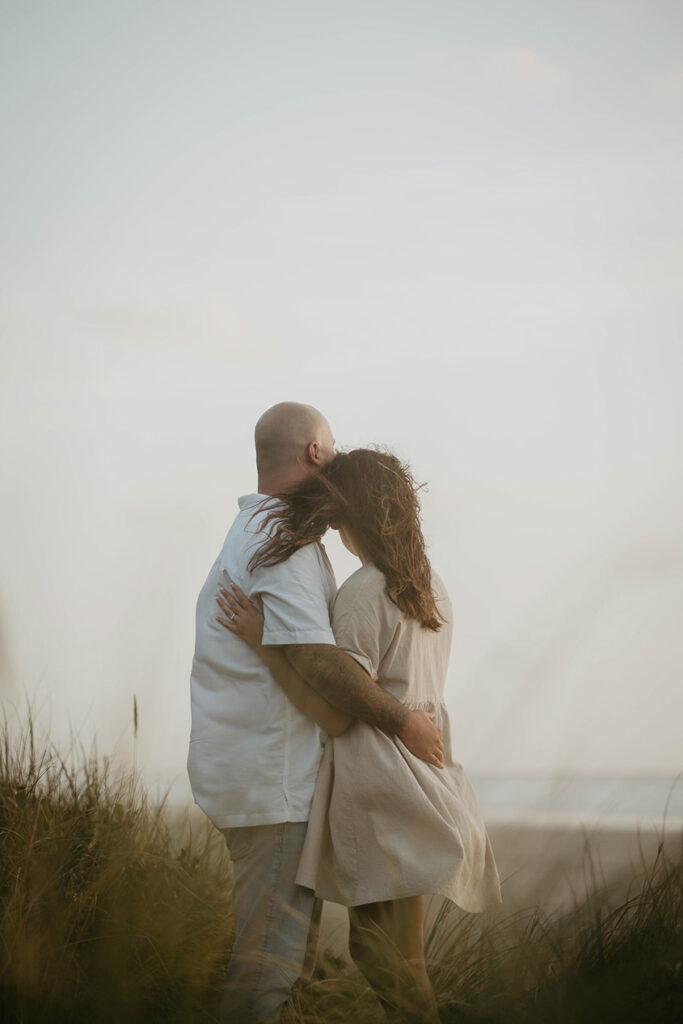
x=342, y=682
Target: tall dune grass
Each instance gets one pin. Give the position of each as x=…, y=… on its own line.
x=108, y=913
x=103, y=916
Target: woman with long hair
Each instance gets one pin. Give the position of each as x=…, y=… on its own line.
x=385, y=828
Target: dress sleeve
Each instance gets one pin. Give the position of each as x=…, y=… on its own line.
x=295, y=599
x=362, y=626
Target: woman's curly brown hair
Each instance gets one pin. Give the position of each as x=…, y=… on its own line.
x=373, y=495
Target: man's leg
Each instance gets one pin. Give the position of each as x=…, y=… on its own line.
x=272, y=921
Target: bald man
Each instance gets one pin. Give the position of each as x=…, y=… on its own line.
x=253, y=757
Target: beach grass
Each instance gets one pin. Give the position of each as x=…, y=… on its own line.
x=105, y=916
x=113, y=910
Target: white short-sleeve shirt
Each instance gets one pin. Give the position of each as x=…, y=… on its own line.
x=253, y=757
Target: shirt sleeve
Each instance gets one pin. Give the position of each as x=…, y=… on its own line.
x=295, y=599
x=361, y=624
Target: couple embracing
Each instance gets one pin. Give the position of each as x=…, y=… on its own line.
x=320, y=742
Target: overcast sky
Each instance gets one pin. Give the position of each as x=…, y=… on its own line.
x=456, y=228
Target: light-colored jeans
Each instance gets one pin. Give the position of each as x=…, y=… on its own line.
x=275, y=922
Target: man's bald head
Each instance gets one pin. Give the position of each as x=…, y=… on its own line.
x=292, y=440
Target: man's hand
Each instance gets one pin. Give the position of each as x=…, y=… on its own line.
x=345, y=685
x=422, y=738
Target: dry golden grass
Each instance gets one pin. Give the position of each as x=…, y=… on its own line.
x=104, y=917
x=107, y=914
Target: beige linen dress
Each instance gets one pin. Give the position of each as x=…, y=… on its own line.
x=385, y=825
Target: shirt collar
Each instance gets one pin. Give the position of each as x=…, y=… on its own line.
x=250, y=500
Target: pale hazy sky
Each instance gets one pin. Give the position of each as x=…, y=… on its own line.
x=456, y=228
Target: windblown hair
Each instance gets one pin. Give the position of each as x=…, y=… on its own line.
x=373, y=495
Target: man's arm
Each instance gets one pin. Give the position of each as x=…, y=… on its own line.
x=340, y=680
x=343, y=683
x=304, y=697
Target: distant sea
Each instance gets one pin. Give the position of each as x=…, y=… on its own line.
x=605, y=801
x=611, y=802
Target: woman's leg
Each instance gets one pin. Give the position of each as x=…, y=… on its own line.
x=386, y=942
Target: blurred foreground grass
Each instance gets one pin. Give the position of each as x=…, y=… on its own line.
x=111, y=911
